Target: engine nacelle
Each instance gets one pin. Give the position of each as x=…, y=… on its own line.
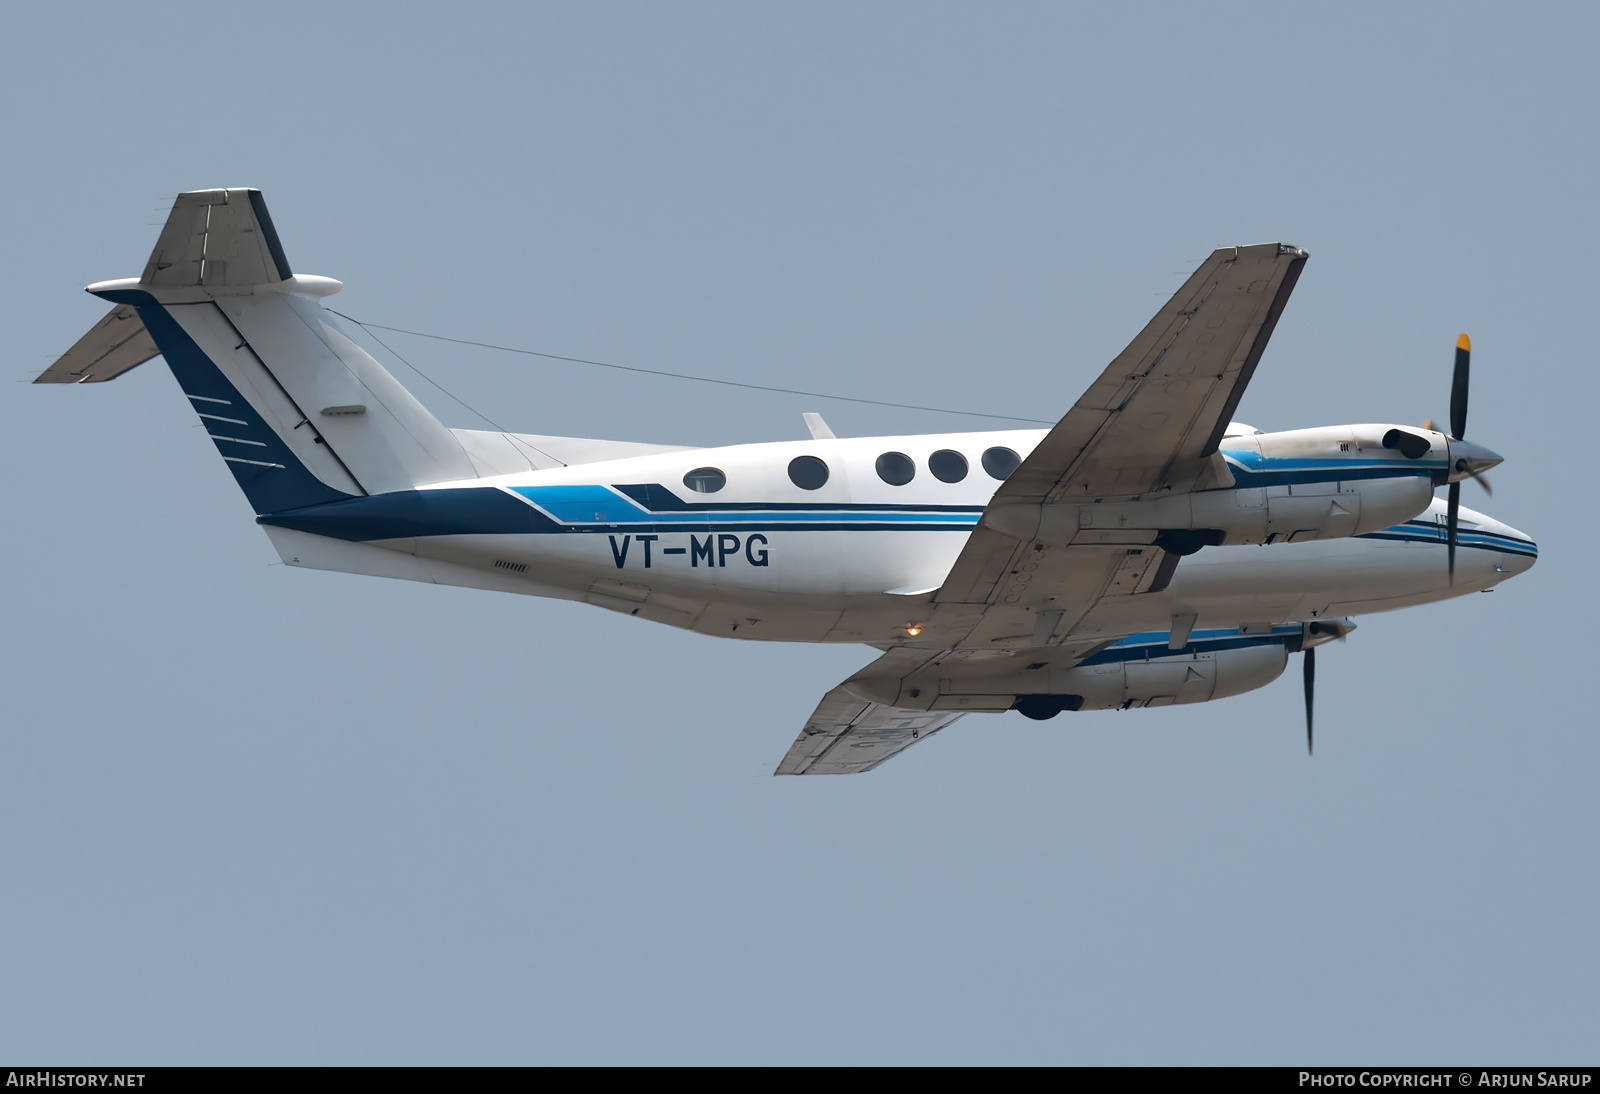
x=1159, y=681
x=1304, y=484
x=1116, y=678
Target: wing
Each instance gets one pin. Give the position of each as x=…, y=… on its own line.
x=850, y=732
x=1157, y=413
x=846, y=735
x=113, y=346
x=1150, y=424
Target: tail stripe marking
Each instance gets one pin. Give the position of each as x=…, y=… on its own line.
x=196, y=373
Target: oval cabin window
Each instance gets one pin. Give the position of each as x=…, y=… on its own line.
x=947, y=465
x=1000, y=462
x=896, y=468
x=808, y=472
x=705, y=480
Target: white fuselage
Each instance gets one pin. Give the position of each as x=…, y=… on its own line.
x=858, y=559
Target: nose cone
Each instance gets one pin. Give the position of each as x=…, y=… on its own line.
x=1507, y=551
x=1521, y=556
x=1468, y=459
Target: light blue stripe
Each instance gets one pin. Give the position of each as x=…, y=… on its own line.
x=583, y=504
x=593, y=504
x=1161, y=638
x=587, y=505
x=1256, y=462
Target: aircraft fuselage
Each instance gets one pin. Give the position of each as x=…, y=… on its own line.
x=858, y=557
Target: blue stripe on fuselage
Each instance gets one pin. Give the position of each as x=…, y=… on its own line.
x=1433, y=534
x=589, y=508
x=658, y=499
x=588, y=505
x=404, y=514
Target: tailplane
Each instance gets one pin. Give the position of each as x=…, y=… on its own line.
x=301, y=414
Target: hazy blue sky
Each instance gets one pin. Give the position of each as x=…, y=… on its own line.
x=254, y=814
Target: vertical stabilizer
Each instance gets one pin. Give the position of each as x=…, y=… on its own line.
x=382, y=433
x=301, y=414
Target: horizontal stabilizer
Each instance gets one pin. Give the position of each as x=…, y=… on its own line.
x=217, y=239
x=113, y=346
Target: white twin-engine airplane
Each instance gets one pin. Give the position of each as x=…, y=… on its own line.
x=1143, y=552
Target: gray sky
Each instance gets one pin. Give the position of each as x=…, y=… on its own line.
x=254, y=814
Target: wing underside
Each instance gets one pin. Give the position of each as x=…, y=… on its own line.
x=1153, y=418
x=847, y=735
x=217, y=238
x=114, y=345
x=1150, y=425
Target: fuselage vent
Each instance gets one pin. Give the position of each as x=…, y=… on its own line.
x=514, y=567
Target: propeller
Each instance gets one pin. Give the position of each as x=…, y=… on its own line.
x=1458, y=430
x=1313, y=635
x=1309, y=673
x=1466, y=460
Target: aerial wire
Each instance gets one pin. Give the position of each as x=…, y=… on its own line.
x=435, y=383
x=419, y=372
x=369, y=327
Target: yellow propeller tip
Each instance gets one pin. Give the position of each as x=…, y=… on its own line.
x=1464, y=342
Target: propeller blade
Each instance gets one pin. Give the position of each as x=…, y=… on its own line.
x=1427, y=423
x=1458, y=388
x=1310, y=669
x=1483, y=481
x=1452, y=515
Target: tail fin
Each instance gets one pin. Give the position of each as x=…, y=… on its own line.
x=301, y=413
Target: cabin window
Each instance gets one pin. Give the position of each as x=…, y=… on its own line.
x=1000, y=462
x=808, y=472
x=896, y=468
x=948, y=466
x=705, y=480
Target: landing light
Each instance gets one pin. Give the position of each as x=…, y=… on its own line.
x=913, y=630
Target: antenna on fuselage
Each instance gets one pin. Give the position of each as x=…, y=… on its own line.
x=819, y=428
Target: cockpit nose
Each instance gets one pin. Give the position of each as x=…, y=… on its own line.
x=1468, y=459
x=1522, y=556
